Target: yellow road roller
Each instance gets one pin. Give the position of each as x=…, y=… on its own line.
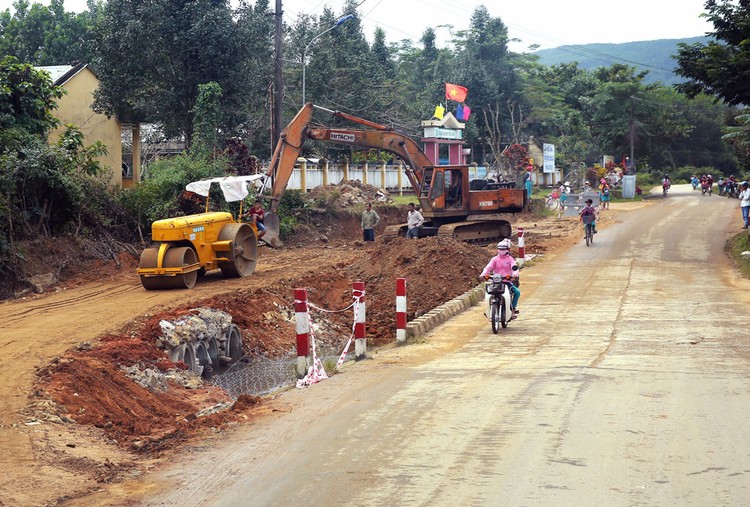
x=188, y=246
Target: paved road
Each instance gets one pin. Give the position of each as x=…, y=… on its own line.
x=625, y=382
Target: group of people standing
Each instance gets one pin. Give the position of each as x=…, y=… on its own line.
x=370, y=220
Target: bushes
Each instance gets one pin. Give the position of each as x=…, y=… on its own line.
x=157, y=197
x=735, y=246
x=684, y=174
x=291, y=205
x=43, y=192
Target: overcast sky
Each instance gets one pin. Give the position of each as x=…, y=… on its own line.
x=548, y=23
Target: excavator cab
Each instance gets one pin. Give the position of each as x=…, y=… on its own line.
x=443, y=188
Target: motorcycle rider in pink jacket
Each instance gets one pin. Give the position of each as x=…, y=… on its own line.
x=502, y=264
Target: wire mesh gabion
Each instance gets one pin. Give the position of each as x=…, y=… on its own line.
x=260, y=375
x=257, y=376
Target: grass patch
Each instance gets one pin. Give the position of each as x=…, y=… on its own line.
x=403, y=200
x=735, y=246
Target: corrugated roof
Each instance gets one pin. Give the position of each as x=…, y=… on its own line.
x=62, y=73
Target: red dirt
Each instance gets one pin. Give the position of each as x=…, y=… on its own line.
x=88, y=386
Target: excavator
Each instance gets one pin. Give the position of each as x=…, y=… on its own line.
x=452, y=205
x=187, y=247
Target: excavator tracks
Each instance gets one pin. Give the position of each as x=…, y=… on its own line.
x=480, y=232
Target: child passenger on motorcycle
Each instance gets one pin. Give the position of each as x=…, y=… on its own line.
x=502, y=264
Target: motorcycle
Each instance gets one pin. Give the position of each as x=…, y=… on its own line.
x=499, y=308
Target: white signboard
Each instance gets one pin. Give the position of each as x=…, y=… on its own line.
x=440, y=133
x=549, y=158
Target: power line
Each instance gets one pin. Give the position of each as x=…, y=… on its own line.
x=454, y=11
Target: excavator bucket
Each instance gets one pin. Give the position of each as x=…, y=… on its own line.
x=281, y=167
x=272, y=235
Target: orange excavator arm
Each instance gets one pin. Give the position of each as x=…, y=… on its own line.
x=286, y=153
x=295, y=134
x=381, y=137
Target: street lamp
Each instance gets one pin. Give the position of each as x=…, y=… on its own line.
x=339, y=21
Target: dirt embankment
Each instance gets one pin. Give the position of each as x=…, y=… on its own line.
x=87, y=393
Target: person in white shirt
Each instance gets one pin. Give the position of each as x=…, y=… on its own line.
x=414, y=221
x=744, y=203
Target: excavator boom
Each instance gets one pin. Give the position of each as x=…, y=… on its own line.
x=444, y=192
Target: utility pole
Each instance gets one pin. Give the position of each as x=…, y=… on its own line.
x=278, y=91
x=632, y=133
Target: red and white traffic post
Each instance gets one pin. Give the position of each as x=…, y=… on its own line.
x=360, y=340
x=303, y=330
x=400, y=311
x=521, y=246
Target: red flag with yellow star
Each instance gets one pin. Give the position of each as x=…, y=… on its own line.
x=455, y=92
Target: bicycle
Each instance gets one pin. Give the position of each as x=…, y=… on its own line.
x=588, y=224
x=552, y=201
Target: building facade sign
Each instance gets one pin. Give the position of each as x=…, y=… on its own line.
x=440, y=133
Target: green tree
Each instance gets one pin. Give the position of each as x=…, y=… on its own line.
x=153, y=55
x=28, y=99
x=47, y=35
x=245, y=96
x=485, y=66
x=421, y=76
x=737, y=134
x=719, y=68
x=381, y=70
x=207, y=118
x=557, y=96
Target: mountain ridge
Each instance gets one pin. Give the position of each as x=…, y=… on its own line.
x=654, y=56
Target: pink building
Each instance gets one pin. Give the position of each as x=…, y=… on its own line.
x=443, y=140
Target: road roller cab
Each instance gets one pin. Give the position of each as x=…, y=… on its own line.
x=186, y=247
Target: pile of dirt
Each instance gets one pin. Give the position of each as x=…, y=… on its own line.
x=90, y=386
x=51, y=263
x=436, y=270
x=341, y=227
x=348, y=193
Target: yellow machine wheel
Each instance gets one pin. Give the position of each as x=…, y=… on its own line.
x=176, y=257
x=149, y=258
x=243, y=254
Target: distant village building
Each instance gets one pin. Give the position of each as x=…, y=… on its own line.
x=75, y=108
x=443, y=140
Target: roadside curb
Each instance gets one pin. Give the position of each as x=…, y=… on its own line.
x=422, y=325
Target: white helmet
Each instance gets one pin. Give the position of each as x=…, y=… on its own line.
x=504, y=244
